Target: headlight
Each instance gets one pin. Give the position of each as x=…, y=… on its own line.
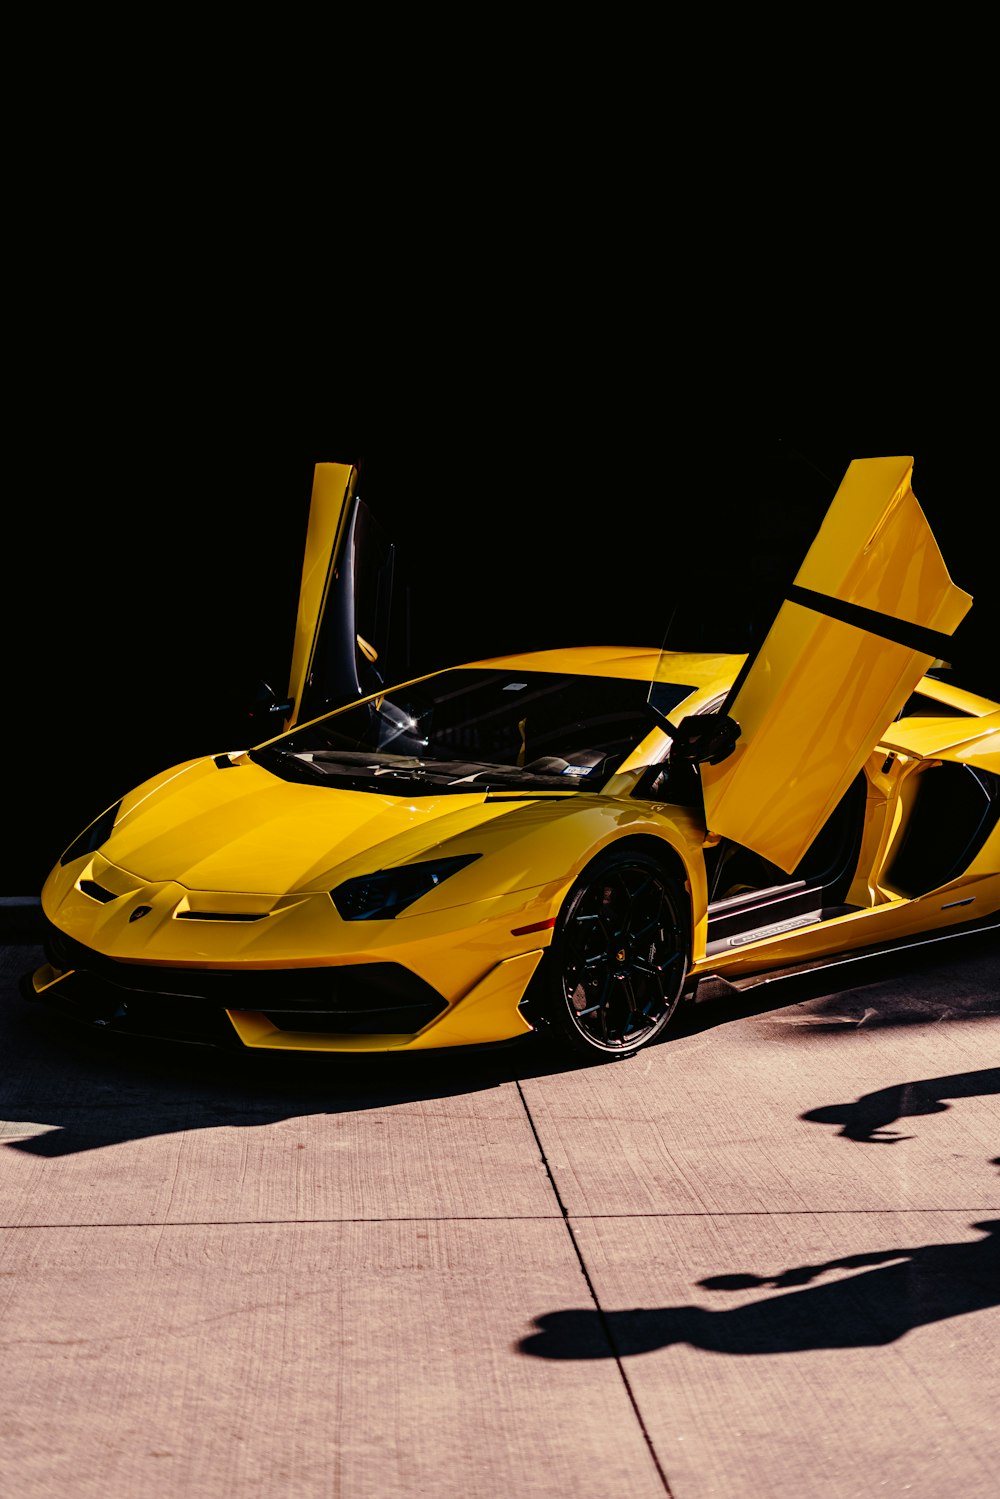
x=382, y=896
x=91, y=838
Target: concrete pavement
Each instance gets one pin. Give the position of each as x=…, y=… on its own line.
x=760, y=1259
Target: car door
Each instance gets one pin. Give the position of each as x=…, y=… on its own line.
x=871, y=607
x=344, y=613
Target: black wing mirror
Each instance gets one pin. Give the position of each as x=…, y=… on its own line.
x=268, y=710
x=704, y=736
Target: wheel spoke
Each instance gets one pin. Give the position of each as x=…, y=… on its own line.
x=599, y=957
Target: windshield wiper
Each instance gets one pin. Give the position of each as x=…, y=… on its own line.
x=287, y=764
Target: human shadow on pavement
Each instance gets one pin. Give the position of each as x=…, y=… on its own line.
x=868, y=1117
x=902, y=1289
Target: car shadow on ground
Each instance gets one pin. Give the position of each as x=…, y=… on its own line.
x=68, y=1088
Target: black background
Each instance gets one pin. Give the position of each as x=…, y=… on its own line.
x=153, y=567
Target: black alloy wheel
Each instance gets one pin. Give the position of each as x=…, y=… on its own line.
x=619, y=956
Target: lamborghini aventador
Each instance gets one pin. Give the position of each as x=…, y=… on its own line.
x=565, y=842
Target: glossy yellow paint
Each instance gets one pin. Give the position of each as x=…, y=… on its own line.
x=488, y=1013
x=245, y=829
x=45, y=977
x=895, y=920
x=531, y=852
x=984, y=752
x=333, y=488
x=969, y=703
x=462, y=938
x=949, y=739
x=882, y=779
x=820, y=690
x=876, y=549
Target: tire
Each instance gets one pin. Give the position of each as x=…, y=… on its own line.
x=619, y=957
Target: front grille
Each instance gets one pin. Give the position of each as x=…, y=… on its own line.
x=172, y=1018
x=362, y=998
x=402, y=1020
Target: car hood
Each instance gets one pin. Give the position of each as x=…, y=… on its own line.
x=240, y=828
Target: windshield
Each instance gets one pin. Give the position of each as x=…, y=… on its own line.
x=475, y=729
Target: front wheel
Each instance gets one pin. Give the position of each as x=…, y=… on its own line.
x=619, y=956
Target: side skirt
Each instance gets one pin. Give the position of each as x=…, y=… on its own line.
x=709, y=986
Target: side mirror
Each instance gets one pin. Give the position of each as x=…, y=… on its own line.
x=705, y=736
x=267, y=709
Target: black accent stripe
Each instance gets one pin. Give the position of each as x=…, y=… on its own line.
x=526, y=796
x=741, y=677
x=900, y=631
x=915, y=637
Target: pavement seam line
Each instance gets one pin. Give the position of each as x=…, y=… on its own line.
x=495, y=1217
x=602, y=1318
x=299, y=1222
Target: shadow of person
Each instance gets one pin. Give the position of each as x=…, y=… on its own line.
x=900, y=1290
x=867, y=1118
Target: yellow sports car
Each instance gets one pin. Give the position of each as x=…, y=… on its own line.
x=565, y=841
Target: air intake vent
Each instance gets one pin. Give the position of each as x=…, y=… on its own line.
x=96, y=892
x=221, y=916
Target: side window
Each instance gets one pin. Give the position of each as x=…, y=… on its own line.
x=955, y=810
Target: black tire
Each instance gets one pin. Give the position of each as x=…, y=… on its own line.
x=619, y=957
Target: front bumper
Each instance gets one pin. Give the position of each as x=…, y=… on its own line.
x=366, y=1006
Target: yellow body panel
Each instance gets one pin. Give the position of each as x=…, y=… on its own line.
x=246, y=830
x=984, y=752
x=975, y=739
x=460, y=939
x=333, y=487
x=895, y=920
x=488, y=1013
x=875, y=549
x=822, y=689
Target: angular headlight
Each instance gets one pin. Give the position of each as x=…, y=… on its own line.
x=91, y=838
x=382, y=896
